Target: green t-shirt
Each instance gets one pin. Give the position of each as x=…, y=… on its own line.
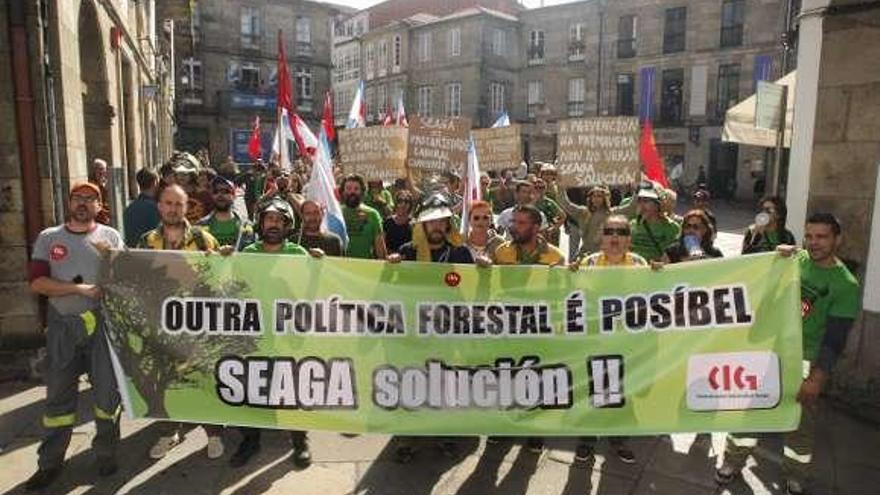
x=825, y=292
x=287, y=248
x=226, y=231
x=651, y=240
x=363, y=225
x=549, y=208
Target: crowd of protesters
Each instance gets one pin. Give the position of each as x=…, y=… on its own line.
x=190, y=205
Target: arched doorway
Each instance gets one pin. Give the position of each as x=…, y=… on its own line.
x=97, y=112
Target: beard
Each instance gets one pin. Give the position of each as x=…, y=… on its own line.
x=223, y=205
x=436, y=237
x=311, y=226
x=273, y=236
x=521, y=238
x=352, y=200
x=82, y=214
x=173, y=221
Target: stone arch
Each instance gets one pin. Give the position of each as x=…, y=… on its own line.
x=97, y=112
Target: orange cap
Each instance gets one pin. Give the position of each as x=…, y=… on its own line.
x=86, y=185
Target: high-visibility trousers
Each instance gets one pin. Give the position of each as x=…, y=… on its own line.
x=75, y=345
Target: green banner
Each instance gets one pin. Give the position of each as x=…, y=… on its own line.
x=428, y=348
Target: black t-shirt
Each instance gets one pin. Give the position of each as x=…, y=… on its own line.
x=677, y=252
x=446, y=254
x=328, y=242
x=396, y=235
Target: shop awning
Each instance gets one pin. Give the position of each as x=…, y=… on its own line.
x=739, y=120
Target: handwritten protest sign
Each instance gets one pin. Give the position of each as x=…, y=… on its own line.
x=374, y=152
x=499, y=148
x=438, y=145
x=599, y=150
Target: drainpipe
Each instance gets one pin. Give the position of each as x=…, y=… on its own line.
x=25, y=122
x=51, y=113
x=599, y=61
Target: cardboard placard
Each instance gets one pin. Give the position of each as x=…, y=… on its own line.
x=376, y=153
x=599, y=151
x=438, y=145
x=499, y=148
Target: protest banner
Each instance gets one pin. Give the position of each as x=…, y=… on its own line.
x=598, y=151
x=376, y=152
x=438, y=145
x=499, y=148
x=426, y=348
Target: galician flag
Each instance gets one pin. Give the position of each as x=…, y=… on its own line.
x=283, y=134
x=321, y=188
x=472, y=190
x=357, y=116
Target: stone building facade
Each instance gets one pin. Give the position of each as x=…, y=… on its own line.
x=81, y=79
x=463, y=62
x=226, y=68
x=835, y=160
x=681, y=64
x=698, y=59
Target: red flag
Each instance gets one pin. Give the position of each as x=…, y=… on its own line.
x=285, y=98
x=327, y=117
x=254, y=149
x=650, y=157
x=388, y=120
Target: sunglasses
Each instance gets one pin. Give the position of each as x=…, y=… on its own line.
x=612, y=231
x=481, y=217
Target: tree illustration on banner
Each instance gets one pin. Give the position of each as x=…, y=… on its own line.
x=154, y=360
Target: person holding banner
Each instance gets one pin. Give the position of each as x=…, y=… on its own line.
x=829, y=307
x=366, y=239
x=614, y=251
x=274, y=219
x=175, y=233
x=527, y=247
x=434, y=240
x=652, y=230
x=64, y=268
